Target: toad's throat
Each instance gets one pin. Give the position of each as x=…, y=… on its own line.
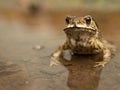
x=81, y=42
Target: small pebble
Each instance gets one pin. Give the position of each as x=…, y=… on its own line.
x=37, y=47
x=67, y=55
x=26, y=82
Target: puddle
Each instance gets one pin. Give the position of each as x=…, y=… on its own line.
x=24, y=65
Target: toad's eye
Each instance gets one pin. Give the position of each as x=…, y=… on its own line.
x=67, y=19
x=88, y=20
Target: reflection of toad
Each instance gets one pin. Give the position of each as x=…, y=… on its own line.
x=83, y=37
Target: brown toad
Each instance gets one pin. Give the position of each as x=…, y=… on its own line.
x=83, y=37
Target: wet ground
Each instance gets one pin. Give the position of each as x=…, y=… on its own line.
x=26, y=43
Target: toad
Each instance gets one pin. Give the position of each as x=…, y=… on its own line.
x=83, y=37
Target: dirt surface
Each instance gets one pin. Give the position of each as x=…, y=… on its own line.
x=24, y=65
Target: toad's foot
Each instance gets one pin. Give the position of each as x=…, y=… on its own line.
x=54, y=61
x=102, y=63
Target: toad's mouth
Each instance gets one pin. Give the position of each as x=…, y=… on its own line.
x=80, y=29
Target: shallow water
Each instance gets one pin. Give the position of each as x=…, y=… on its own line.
x=23, y=66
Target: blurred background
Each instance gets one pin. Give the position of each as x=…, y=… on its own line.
x=51, y=13
x=30, y=30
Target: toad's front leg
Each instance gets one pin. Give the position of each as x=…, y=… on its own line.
x=106, y=58
x=55, y=57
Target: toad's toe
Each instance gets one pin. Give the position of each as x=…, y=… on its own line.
x=102, y=64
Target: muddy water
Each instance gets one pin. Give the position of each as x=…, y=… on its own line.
x=26, y=44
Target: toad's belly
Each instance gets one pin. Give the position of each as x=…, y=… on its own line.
x=86, y=50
